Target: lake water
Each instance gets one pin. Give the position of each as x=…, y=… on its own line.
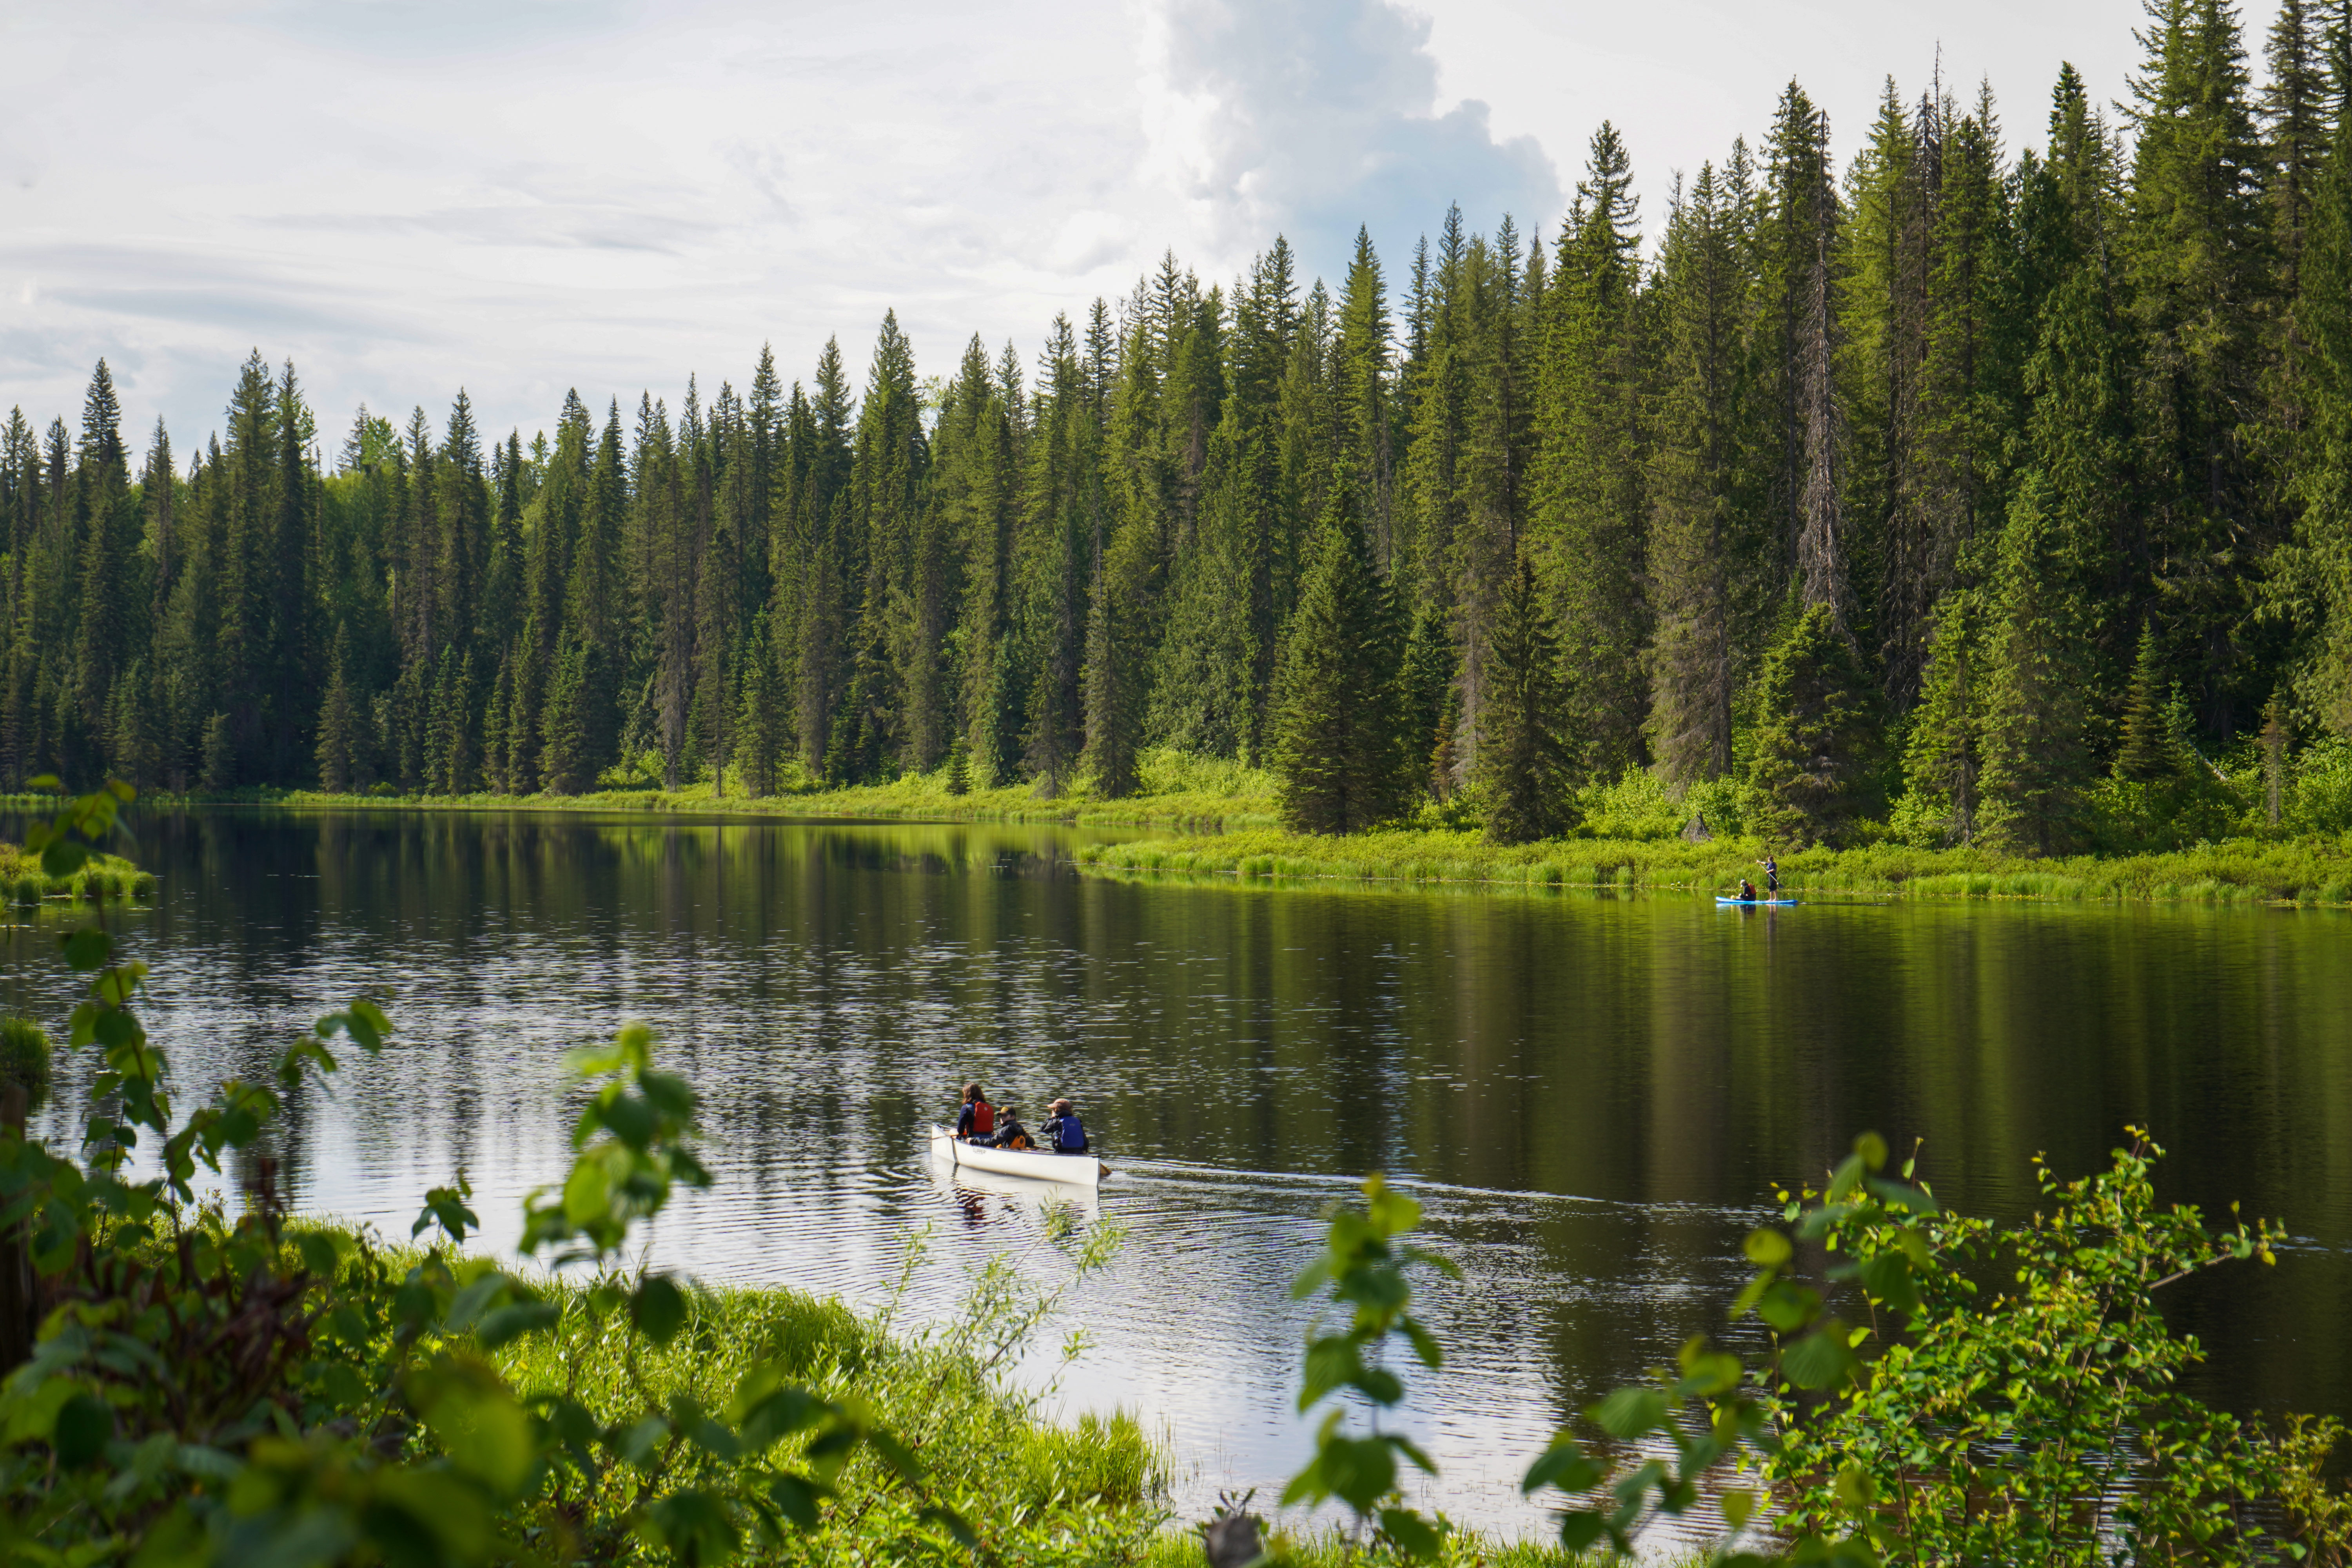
x=1592, y=1095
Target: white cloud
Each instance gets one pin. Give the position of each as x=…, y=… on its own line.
x=1319, y=117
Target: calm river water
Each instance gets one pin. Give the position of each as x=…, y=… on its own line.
x=1592, y=1095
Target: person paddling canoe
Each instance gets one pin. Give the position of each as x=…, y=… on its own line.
x=1009, y=1134
x=1771, y=876
x=1063, y=1132
x=976, y=1121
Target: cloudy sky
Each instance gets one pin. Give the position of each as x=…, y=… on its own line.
x=406, y=196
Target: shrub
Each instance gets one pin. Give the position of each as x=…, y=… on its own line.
x=2320, y=799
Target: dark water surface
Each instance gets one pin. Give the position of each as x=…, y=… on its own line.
x=1592, y=1095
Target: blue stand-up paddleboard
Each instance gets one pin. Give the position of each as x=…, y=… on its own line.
x=1757, y=904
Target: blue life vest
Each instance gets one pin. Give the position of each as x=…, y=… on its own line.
x=1069, y=1137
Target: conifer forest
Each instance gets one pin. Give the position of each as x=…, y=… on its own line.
x=1997, y=459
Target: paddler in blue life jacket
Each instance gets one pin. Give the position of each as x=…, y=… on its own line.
x=1062, y=1131
x=977, y=1120
x=1771, y=875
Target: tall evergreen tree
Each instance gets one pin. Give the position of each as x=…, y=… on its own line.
x=1586, y=475
x=1338, y=747
x=2037, y=756
x=1816, y=736
x=2196, y=255
x=1526, y=763
x=1944, y=757
x=1700, y=558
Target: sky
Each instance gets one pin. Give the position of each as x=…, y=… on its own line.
x=408, y=196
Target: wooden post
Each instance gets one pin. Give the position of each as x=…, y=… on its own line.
x=17, y=1295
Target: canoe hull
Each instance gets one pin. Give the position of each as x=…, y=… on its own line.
x=1076, y=1170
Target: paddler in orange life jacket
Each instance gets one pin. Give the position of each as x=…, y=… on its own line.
x=977, y=1120
x=1009, y=1134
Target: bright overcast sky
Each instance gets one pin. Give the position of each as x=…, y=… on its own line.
x=518, y=196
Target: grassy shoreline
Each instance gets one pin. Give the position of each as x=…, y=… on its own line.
x=2302, y=871
x=1178, y=792
x=1221, y=821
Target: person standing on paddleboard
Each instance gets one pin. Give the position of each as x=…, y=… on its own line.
x=1771, y=875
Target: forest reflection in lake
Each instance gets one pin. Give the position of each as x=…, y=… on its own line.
x=1594, y=1095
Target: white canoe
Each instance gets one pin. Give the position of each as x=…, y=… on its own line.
x=1080, y=1170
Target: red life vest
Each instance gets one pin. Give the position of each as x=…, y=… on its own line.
x=983, y=1118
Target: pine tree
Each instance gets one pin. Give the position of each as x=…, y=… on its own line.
x=1117, y=645
x=109, y=627
x=1526, y=765
x=566, y=760
x=2312, y=590
x=134, y=740
x=220, y=754
x=2196, y=257
x=1587, y=467
x=2036, y=748
x=2147, y=751
x=338, y=723
x=1700, y=561
x=759, y=725
x=496, y=748
x=2295, y=112
x=1815, y=737
x=1944, y=759
x=1338, y=748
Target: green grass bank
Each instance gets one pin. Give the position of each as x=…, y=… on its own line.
x=1179, y=791
x=2297, y=870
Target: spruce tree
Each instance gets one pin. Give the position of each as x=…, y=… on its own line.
x=1943, y=758
x=220, y=754
x=2146, y=752
x=1338, y=749
x=1587, y=467
x=133, y=742
x=1701, y=559
x=567, y=765
x=1115, y=667
x=2196, y=258
x=759, y=725
x=338, y=723
x=1526, y=764
x=2037, y=666
x=1814, y=746
x=496, y=749
x=2311, y=588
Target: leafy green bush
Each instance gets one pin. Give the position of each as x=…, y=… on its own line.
x=1979, y=1393
x=2319, y=800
